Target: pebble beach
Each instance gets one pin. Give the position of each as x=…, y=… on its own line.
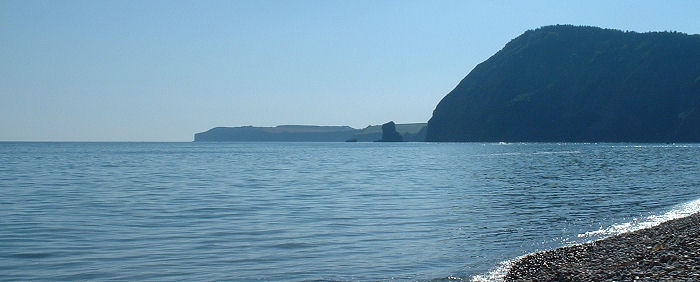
x=669, y=251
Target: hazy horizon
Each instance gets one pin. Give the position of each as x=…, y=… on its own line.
x=164, y=70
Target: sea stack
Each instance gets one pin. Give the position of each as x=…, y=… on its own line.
x=389, y=133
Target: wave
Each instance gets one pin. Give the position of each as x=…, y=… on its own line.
x=533, y=153
x=679, y=211
x=498, y=273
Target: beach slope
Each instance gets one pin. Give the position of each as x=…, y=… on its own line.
x=669, y=251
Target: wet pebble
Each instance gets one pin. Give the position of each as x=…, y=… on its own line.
x=669, y=251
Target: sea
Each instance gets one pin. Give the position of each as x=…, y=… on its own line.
x=323, y=211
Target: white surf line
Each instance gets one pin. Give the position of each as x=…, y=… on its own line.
x=498, y=273
x=679, y=211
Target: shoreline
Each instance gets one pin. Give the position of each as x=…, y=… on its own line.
x=670, y=250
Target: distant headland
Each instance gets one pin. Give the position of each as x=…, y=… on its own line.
x=558, y=83
x=412, y=132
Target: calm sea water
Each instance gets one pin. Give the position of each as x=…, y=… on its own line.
x=332, y=211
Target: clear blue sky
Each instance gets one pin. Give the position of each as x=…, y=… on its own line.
x=163, y=70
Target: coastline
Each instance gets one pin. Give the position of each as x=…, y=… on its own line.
x=668, y=251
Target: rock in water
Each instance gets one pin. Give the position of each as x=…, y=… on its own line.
x=578, y=84
x=389, y=133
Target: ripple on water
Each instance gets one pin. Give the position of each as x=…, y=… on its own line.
x=301, y=211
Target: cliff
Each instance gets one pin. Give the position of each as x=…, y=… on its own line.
x=308, y=133
x=411, y=132
x=578, y=84
x=292, y=133
x=389, y=133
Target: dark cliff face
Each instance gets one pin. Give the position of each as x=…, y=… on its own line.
x=389, y=133
x=567, y=83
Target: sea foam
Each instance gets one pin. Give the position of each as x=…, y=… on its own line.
x=679, y=211
x=676, y=212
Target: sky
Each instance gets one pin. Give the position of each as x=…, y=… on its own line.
x=120, y=70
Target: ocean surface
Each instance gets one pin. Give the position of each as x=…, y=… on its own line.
x=322, y=211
